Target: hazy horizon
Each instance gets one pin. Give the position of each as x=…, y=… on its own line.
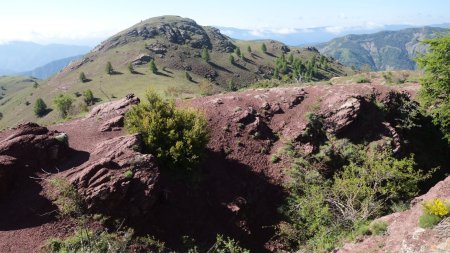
x=88, y=22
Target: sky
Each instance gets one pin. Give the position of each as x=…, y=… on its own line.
x=87, y=22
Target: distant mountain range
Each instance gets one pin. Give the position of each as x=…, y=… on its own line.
x=386, y=50
x=19, y=56
x=311, y=36
x=51, y=68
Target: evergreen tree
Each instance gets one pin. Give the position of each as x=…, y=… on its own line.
x=152, y=66
x=435, y=85
x=231, y=59
x=109, y=69
x=40, y=108
x=131, y=68
x=88, y=97
x=264, y=48
x=205, y=55
x=249, y=49
x=237, y=51
x=82, y=77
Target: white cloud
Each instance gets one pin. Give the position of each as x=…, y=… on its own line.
x=267, y=31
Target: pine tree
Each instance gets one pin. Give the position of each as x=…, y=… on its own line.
x=131, y=68
x=231, y=59
x=152, y=66
x=249, y=49
x=264, y=48
x=109, y=69
x=205, y=55
x=40, y=108
x=237, y=51
x=82, y=77
x=88, y=97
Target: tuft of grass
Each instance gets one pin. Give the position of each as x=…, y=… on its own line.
x=65, y=197
x=378, y=227
x=428, y=220
x=275, y=158
x=128, y=174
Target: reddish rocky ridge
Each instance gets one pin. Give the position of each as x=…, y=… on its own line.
x=240, y=189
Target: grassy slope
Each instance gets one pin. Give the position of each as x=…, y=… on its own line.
x=172, y=82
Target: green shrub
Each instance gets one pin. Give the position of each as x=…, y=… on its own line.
x=88, y=97
x=226, y=245
x=428, y=220
x=64, y=195
x=82, y=77
x=63, y=103
x=152, y=66
x=40, y=108
x=324, y=208
x=205, y=55
x=362, y=79
x=109, y=69
x=378, y=227
x=275, y=158
x=176, y=137
x=128, y=174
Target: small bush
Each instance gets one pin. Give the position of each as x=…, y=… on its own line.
x=362, y=79
x=176, y=137
x=63, y=103
x=40, y=108
x=428, y=220
x=275, y=158
x=226, y=245
x=436, y=207
x=378, y=227
x=128, y=174
x=65, y=197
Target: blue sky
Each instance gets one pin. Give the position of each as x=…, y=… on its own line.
x=85, y=21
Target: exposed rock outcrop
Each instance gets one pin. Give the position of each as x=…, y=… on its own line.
x=118, y=180
x=119, y=107
x=28, y=148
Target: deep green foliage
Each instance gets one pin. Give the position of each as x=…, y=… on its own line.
x=231, y=58
x=130, y=68
x=176, y=137
x=82, y=77
x=264, y=48
x=88, y=97
x=324, y=207
x=63, y=103
x=237, y=51
x=109, y=69
x=205, y=55
x=249, y=49
x=40, y=108
x=435, y=89
x=152, y=66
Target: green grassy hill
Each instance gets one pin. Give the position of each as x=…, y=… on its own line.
x=387, y=50
x=176, y=45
